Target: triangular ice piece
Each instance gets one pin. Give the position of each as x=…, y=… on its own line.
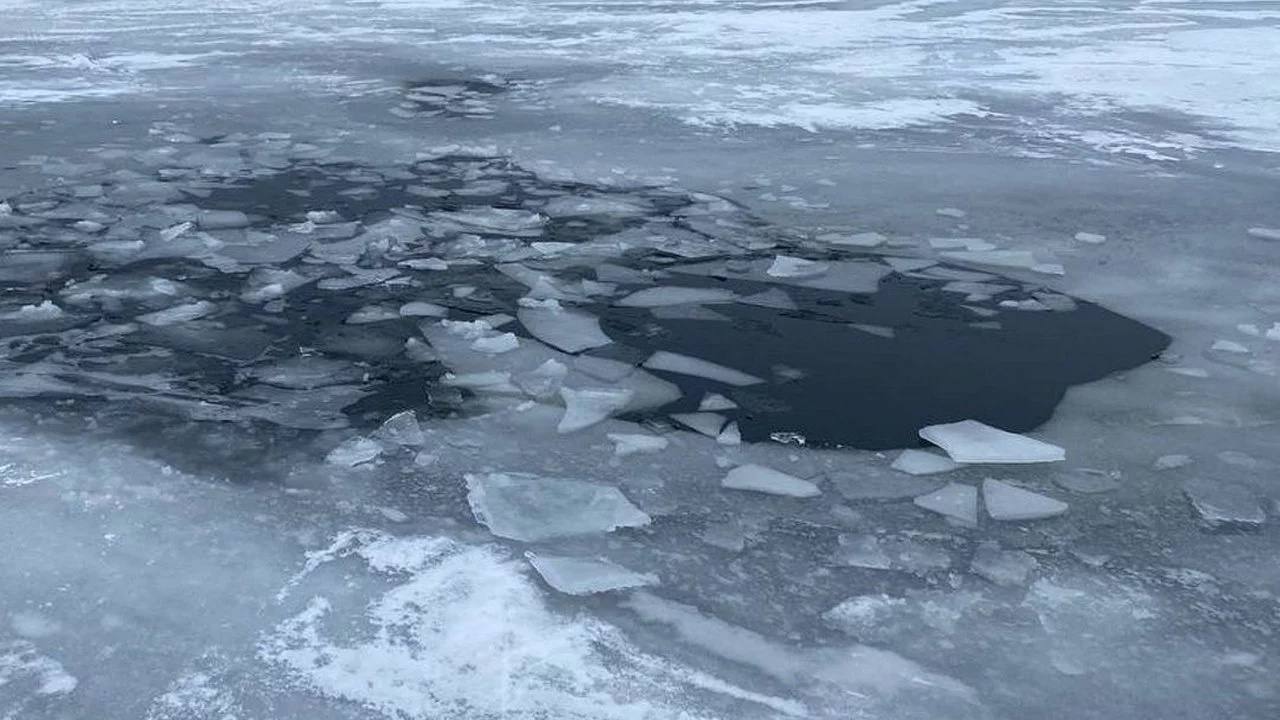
x=1009, y=502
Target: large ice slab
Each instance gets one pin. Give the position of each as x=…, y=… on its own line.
x=584, y=576
x=567, y=330
x=767, y=480
x=970, y=441
x=675, y=295
x=1010, y=502
x=686, y=365
x=528, y=507
x=588, y=406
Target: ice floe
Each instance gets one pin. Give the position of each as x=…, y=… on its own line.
x=528, y=507
x=970, y=441
x=766, y=480
x=586, y=576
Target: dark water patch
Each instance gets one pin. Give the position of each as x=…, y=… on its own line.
x=860, y=389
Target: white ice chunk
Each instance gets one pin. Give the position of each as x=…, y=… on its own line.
x=763, y=479
x=1264, y=233
x=1090, y=238
x=730, y=435
x=686, y=365
x=970, y=441
x=221, y=219
x=46, y=310
x=675, y=295
x=1171, y=462
x=997, y=258
x=956, y=501
x=496, y=344
x=568, y=330
x=588, y=406
x=962, y=243
x=355, y=451
x=527, y=507
x=178, y=314
x=921, y=462
x=862, y=239
x=950, y=212
x=625, y=444
x=1010, y=502
x=787, y=266
x=582, y=576
x=1229, y=346
x=707, y=423
x=419, y=308
x=401, y=429
x=714, y=402
x=877, y=330
x=1002, y=567
x=372, y=314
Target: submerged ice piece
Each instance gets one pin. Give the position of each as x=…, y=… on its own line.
x=588, y=406
x=685, y=365
x=1010, y=502
x=583, y=576
x=955, y=501
x=767, y=480
x=1222, y=506
x=970, y=441
x=527, y=507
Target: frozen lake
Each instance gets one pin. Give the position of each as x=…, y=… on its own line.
x=637, y=359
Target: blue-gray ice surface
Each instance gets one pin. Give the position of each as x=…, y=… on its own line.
x=462, y=360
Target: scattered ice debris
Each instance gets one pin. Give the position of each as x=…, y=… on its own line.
x=1171, y=462
x=370, y=314
x=401, y=429
x=583, y=576
x=950, y=212
x=685, y=365
x=715, y=402
x=675, y=295
x=767, y=480
x=354, y=451
x=707, y=423
x=1264, y=233
x=922, y=462
x=625, y=444
x=1010, y=502
x=587, y=406
x=1224, y=506
x=530, y=508
x=787, y=266
x=1002, y=567
x=1090, y=238
x=970, y=441
x=419, y=308
x=568, y=330
x=955, y=501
